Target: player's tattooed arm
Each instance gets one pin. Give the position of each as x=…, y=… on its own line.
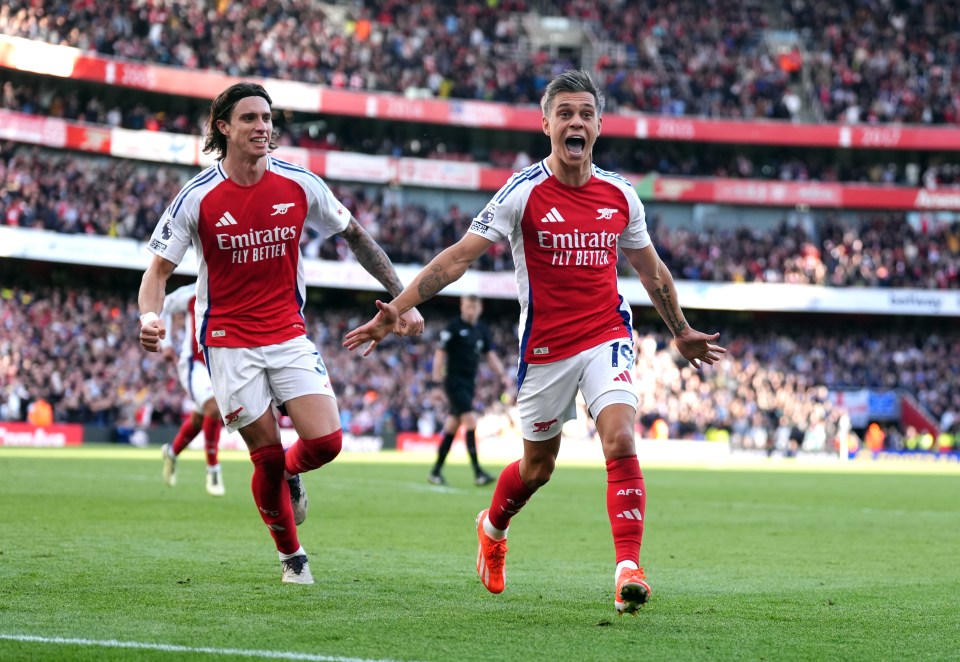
x=671, y=311
x=657, y=281
x=371, y=257
x=434, y=280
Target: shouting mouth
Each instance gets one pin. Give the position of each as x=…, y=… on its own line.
x=576, y=144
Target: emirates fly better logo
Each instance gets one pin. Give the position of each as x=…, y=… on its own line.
x=255, y=245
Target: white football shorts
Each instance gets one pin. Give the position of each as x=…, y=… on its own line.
x=247, y=380
x=548, y=393
x=195, y=380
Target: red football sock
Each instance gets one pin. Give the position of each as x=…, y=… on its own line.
x=272, y=496
x=211, y=438
x=509, y=496
x=626, y=505
x=185, y=435
x=309, y=454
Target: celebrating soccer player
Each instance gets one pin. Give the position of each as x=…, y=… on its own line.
x=565, y=220
x=245, y=216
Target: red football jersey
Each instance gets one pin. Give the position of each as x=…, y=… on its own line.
x=250, y=285
x=564, y=241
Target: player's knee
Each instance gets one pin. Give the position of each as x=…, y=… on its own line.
x=538, y=472
x=329, y=447
x=210, y=409
x=619, y=444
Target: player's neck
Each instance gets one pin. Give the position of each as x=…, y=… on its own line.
x=244, y=171
x=570, y=174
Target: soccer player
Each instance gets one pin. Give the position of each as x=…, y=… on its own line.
x=565, y=219
x=245, y=216
x=455, y=363
x=195, y=380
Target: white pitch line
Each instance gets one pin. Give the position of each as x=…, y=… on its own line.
x=173, y=648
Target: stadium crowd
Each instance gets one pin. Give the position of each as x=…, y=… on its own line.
x=867, y=61
x=72, y=348
x=96, y=195
x=882, y=61
x=880, y=249
x=113, y=107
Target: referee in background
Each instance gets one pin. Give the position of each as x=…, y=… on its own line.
x=455, y=363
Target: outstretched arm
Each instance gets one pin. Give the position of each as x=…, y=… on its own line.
x=372, y=258
x=693, y=345
x=444, y=269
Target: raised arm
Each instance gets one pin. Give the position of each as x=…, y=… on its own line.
x=693, y=345
x=442, y=270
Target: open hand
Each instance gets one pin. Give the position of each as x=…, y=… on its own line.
x=698, y=347
x=376, y=329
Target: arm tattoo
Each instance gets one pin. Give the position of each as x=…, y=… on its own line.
x=671, y=314
x=433, y=282
x=372, y=258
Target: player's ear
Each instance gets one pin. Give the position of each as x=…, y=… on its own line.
x=546, y=125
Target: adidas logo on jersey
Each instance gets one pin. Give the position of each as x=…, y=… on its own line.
x=630, y=514
x=553, y=216
x=226, y=220
x=624, y=377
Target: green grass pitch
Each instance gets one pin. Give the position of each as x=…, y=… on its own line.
x=101, y=561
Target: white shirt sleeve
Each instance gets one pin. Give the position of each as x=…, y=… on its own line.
x=325, y=213
x=503, y=213
x=174, y=232
x=635, y=235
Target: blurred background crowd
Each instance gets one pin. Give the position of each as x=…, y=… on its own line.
x=95, y=195
x=74, y=349
x=877, y=60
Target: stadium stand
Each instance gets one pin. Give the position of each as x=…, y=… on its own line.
x=53, y=191
x=69, y=347
x=109, y=108
x=788, y=377
x=722, y=58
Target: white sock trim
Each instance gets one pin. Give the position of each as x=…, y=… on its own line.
x=492, y=531
x=623, y=565
x=287, y=557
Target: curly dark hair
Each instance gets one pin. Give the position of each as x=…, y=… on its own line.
x=221, y=109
